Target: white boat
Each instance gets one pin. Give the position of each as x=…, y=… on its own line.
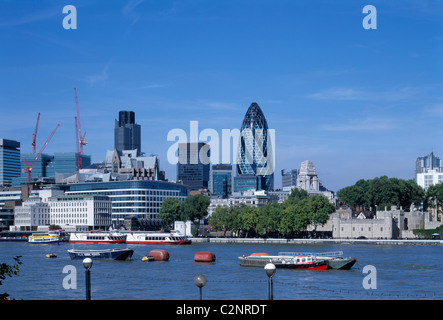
x=97, y=236
x=151, y=237
x=44, y=238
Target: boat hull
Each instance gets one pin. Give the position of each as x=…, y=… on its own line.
x=248, y=262
x=45, y=242
x=97, y=241
x=341, y=264
x=180, y=242
x=111, y=254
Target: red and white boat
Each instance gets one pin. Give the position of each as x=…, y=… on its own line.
x=97, y=236
x=145, y=237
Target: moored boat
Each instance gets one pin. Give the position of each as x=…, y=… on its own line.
x=104, y=254
x=151, y=237
x=300, y=262
x=335, y=259
x=97, y=237
x=44, y=238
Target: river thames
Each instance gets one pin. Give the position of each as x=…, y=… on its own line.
x=401, y=272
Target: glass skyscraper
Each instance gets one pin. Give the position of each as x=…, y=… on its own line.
x=67, y=162
x=193, y=164
x=9, y=161
x=221, y=180
x=255, y=153
x=127, y=134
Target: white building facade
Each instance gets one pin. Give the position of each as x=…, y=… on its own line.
x=76, y=212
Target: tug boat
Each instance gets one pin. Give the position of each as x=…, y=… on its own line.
x=335, y=259
x=299, y=262
x=97, y=236
x=44, y=238
x=173, y=237
x=104, y=254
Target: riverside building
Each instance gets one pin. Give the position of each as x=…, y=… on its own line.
x=80, y=212
x=141, y=199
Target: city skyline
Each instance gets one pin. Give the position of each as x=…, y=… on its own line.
x=358, y=103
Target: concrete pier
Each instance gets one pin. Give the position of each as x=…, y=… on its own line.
x=319, y=241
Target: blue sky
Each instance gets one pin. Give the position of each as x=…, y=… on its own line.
x=358, y=103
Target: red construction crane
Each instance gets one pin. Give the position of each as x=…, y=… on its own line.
x=28, y=168
x=82, y=141
x=79, y=159
x=34, y=135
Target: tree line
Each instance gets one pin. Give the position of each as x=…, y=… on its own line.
x=294, y=215
x=285, y=219
x=383, y=191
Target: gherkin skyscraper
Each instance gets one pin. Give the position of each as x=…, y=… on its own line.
x=255, y=150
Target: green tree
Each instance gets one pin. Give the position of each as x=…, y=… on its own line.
x=269, y=218
x=170, y=211
x=319, y=209
x=8, y=270
x=382, y=191
x=195, y=208
x=434, y=197
x=249, y=218
x=219, y=219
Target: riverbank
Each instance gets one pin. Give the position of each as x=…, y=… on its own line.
x=319, y=241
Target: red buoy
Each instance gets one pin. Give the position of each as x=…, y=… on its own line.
x=159, y=255
x=204, y=257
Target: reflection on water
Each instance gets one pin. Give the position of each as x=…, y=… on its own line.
x=403, y=272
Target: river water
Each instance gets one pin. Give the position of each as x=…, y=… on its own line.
x=398, y=272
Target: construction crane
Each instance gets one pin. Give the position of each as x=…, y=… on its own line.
x=82, y=141
x=34, y=135
x=28, y=168
x=79, y=159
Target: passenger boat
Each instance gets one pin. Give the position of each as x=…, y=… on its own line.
x=97, y=237
x=105, y=254
x=300, y=262
x=44, y=238
x=335, y=259
x=173, y=237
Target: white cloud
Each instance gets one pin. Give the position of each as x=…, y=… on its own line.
x=360, y=125
x=129, y=11
x=99, y=78
x=339, y=94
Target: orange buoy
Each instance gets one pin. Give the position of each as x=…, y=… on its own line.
x=260, y=254
x=159, y=255
x=204, y=257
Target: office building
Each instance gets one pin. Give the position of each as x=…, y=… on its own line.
x=289, y=179
x=247, y=182
x=139, y=167
x=139, y=199
x=9, y=161
x=193, y=164
x=67, y=162
x=221, y=180
x=81, y=212
x=308, y=180
x=426, y=163
x=43, y=168
x=127, y=134
x=255, y=150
